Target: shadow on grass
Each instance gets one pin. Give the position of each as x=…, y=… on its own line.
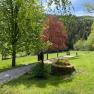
x=41, y=83
x=53, y=80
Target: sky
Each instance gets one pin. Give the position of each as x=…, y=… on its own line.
x=79, y=10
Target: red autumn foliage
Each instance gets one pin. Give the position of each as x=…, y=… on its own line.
x=55, y=33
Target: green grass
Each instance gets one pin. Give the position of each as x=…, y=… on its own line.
x=6, y=64
x=82, y=82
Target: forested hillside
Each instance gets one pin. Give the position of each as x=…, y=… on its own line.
x=77, y=28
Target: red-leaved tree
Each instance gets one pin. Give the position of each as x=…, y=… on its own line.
x=55, y=33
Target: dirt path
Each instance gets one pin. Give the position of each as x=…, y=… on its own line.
x=14, y=73
x=17, y=72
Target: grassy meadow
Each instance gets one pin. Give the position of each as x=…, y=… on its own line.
x=81, y=82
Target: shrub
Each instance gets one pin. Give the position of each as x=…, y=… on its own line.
x=68, y=53
x=62, y=62
x=80, y=45
x=39, y=71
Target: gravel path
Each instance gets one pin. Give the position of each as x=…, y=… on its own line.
x=17, y=72
x=14, y=73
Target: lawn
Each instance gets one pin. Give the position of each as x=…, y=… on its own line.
x=6, y=64
x=81, y=82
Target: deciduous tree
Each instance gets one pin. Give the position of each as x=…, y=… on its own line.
x=55, y=33
x=21, y=25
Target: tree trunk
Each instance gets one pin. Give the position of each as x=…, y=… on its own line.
x=4, y=55
x=57, y=54
x=47, y=55
x=14, y=57
x=14, y=9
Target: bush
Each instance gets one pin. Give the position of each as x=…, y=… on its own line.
x=80, y=45
x=39, y=71
x=68, y=53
